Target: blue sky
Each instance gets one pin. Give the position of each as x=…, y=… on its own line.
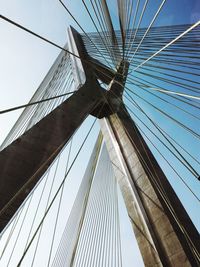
x=24, y=60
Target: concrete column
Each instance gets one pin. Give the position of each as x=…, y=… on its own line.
x=24, y=161
x=164, y=239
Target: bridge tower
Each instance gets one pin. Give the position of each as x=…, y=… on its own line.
x=164, y=232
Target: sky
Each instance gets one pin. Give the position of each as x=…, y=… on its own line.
x=24, y=63
x=24, y=60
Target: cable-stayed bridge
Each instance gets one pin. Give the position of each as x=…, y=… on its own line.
x=142, y=85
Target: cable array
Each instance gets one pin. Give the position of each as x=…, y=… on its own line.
x=166, y=85
x=70, y=234
x=100, y=231
x=57, y=85
x=162, y=96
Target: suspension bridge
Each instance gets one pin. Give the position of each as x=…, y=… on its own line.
x=133, y=92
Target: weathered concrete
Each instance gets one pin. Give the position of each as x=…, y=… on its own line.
x=164, y=238
x=25, y=160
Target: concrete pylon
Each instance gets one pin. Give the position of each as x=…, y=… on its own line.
x=165, y=234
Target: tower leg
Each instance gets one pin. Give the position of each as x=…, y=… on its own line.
x=164, y=232
x=23, y=162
